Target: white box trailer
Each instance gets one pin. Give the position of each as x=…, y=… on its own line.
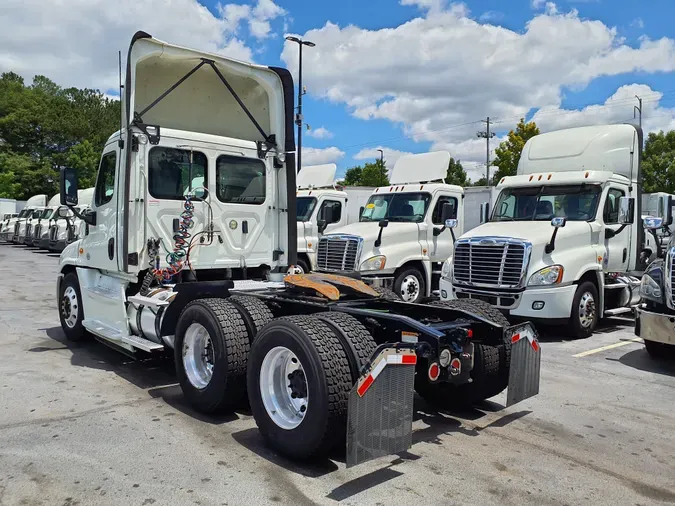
x=7, y=206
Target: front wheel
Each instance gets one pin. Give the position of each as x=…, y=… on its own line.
x=584, y=314
x=71, y=312
x=410, y=285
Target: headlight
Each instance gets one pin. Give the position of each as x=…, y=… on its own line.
x=374, y=263
x=446, y=270
x=551, y=275
x=650, y=289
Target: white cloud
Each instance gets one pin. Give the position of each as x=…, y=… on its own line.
x=390, y=155
x=491, y=16
x=320, y=133
x=437, y=74
x=318, y=156
x=639, y=22
x=75, y=43
x=618, y=108
x=537, y=4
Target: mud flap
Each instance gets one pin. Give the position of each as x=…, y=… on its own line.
x=379, y=420
x=525, y=363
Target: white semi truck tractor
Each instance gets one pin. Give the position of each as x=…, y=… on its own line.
x=39, y=226
x=321, y=208
x=33, y=209
x=401, y=241
x=62, y=230
x=201, y=272
x=561, y=246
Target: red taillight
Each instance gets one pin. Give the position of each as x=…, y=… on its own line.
x=434, y=371
x=469, y=333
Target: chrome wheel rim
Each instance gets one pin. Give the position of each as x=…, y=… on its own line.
x=283, y=388
x=69, y=307
x=198, y=356
x=410, y=288
x=586, y=310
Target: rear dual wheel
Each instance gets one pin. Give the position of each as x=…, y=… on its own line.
x=301, y=371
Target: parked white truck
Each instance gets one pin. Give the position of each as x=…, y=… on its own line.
x=59, y=231
x=561, y=246
x=17, y=228
x=400, y=242
x=316, y=193
x=162, y=269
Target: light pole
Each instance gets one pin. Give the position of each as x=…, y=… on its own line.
x=487, y=135
x=298, y=116
x=381, y=156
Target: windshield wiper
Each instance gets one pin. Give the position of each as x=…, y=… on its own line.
x=504, y=216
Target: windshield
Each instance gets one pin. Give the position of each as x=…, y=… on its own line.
x=47, y=213
x=24, y=212
x=409, y=207
x=304, y=208
x=576, y=203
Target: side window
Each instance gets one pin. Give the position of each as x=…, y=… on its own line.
x=611, y=212
x=105, y=184
x=438, y=210
x=240, y=180
x=173, y=173
x=337, y=209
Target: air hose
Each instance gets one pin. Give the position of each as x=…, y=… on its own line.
x=176, y=258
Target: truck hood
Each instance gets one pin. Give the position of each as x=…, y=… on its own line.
x=369, y=230
x=574, y=240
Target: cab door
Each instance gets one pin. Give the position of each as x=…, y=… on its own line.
x=440, y=244
x=617, y=248
x=100, y=245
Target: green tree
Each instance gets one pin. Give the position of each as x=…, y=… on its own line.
x=353, y=176
x=507, y=155
x=8, y=185
x=658, y=163
x=371, y=174
x=374, y=174
x=481, y=182
x=456, y=174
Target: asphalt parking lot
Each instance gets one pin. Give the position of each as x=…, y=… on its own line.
x=84, y=425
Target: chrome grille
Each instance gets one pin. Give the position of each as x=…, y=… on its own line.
x=492, y=262
x=338, y=253
x=671, y=276
x=28, y=229
x=38, y=231
x=53, y=233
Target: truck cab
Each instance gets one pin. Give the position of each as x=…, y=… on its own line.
x=655, y=315
x=560, y=246
x=39, y=231
x=64, y=226
x=400, y=241
x=317, y=199
x=17, y=226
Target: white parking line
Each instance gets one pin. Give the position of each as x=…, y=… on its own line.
x=608, y=347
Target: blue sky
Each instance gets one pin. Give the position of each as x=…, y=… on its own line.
x=399, y=75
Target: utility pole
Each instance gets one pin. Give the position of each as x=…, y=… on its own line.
x=301, y=92
x=487, y=135
x=381, y=156
x=638, y=109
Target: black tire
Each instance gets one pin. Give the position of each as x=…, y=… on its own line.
x=357, y=342
x=328, y=380
x=304, y=265
x=659, y=350
x=255, y=312
x=490, y=373
x=387, y=294
x=575, y=328
x=75, y=332
x=229, y=338
x=400, y=277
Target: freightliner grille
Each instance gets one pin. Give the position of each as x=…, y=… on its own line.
x=672, y=276
x=492, y=262
x=338, y=253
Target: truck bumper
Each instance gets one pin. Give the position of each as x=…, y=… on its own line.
x=44, y=243
x=545, y=303
x=57, y=245
x=656, y=327
x=379, y=281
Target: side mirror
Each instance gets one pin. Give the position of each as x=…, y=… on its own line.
x=447, y=212
x=327, y=213
x=321, y=225
x=484, y=212
x=626, y=210
x=361, y=209
x=451, y=223
x=666, y=209
x=382, y=224
x=559, y=222
x=62, y=212
x=68, y=186
x=652, y=223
